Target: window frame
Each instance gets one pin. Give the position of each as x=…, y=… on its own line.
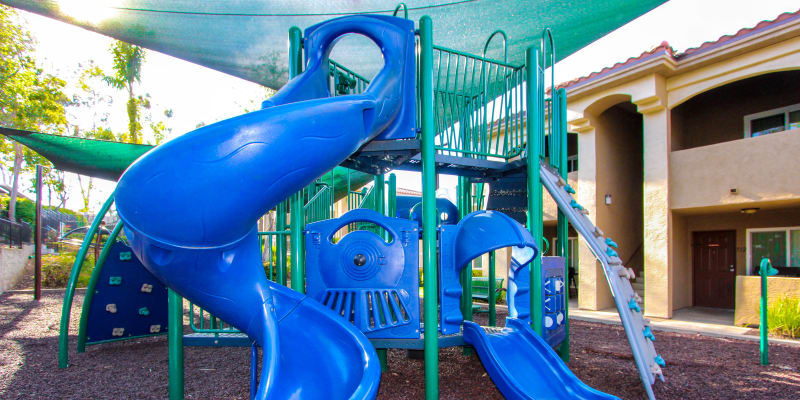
x=748, y=243
x=784, y=110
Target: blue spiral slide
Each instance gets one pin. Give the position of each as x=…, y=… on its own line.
x=190, y=208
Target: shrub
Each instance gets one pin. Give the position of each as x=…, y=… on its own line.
x=783, y=317
x=57, y=267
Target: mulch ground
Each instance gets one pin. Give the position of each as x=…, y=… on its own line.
x=698, y=367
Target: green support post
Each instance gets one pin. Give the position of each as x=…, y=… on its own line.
x=392, y=211
x=562, y=247
x=430, y=301
x=296, y=223
x=296, y=207
x=535, y=125
x=492, y=289
x=381, y=196
x=765, y=270
x=280, y=245
x=92, y=286
x=66, y=307
x=175, y=342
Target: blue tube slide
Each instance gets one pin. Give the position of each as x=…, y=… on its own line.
x=523, y=366
x=190, y=208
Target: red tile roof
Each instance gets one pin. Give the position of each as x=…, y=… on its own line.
x=665, y=49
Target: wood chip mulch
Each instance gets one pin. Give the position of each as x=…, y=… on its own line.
x=698, y=367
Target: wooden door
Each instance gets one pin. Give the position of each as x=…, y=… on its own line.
x=714, y=268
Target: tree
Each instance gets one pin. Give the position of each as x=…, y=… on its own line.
x=29, y=98
x=128, y=59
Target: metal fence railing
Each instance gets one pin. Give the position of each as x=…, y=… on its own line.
x=14, y=234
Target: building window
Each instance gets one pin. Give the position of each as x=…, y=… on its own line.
x=780, y=245
x=777, y=120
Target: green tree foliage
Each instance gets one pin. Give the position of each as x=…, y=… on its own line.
x=128, y=59
x=29, y=98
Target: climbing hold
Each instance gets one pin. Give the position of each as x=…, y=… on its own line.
x=569, y=189
x=117, y=331
x=631, y=274
x=660, y=361
x=155, y=328
x=114, y=280
x=112, y=308
x=144, y=311
x=633, y=305
x=125, y=256
x=611, y=243
x=611, y=253
x=598, y=232
x=648, y=334
x=574, y=204
x=146, y=288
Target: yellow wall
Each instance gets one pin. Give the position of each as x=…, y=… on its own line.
x=762, y=169
x=748, y=296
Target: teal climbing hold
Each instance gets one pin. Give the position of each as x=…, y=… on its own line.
x=648, y=334
x=114, y=280
x=569, y=189
x=574, y=204
x=660, y=361
x=633, y=305
x=611, y=243
x=125, y=256
x=611, y=253
x=144, y=311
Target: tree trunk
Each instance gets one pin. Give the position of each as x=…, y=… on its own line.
x=12, y=203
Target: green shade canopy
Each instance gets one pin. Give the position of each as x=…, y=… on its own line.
x=248, y=38
x=108, y=160
x=98, y=158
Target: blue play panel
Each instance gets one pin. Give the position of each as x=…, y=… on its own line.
x=128, y=301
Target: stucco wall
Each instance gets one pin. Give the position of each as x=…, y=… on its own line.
x=684, y=225
x=619, y=155
x=748, y=296
x=762, y=169
x=12, y=264
x=718, y=115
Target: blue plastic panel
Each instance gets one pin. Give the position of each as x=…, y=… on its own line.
x=364, y=279
x=553, y=290
x=410, y=207
x=128, y=301
x=477, y=233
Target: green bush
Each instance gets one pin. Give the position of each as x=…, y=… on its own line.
x=57, y=267
x=783, y=317
x=477, y=273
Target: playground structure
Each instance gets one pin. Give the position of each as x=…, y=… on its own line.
x=479, y=118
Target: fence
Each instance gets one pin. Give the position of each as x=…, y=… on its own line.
x=14, y=233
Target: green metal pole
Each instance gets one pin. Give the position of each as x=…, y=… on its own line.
x=281, y=243
x=296, y=222
x=392, y=211
x=175, y=342
x=296, y=206
x=534, y=147
x=92, y=286
x=562, y=241
x=66, y=307
x=380, y=194
x=382, y=198
x=765, y=270
x=429, y=210
x=492, y=289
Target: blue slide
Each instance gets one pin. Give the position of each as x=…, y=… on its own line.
x=190, y=208
x=523, y=366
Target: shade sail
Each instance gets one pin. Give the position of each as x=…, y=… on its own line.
x=248, y=38
x=108, y=160
x=98, y=158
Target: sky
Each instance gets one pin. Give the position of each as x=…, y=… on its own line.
x=199, y=95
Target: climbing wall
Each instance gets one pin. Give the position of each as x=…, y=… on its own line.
x=128, y=301
x=618, y=276
x=519, y=300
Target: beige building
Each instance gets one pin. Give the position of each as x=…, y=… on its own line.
x=691, y=162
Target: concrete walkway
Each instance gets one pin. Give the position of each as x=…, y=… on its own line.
x=692, y=320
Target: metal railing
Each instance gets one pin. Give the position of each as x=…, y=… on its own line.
x=14, y=233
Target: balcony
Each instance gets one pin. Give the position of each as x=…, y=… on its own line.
x=763, y=170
